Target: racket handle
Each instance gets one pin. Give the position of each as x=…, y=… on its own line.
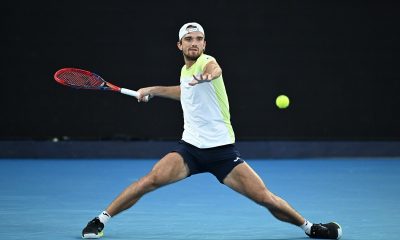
x=132, y=93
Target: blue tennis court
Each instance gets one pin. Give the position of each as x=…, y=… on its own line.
x=54, y=199
x=308, y=91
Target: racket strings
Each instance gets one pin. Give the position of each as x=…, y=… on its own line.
x=79, y=79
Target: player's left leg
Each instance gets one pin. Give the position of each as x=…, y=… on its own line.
x=243, y=179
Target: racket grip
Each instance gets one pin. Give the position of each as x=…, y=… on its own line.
x=132, y=93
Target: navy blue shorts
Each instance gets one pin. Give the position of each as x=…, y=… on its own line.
x=218, y=161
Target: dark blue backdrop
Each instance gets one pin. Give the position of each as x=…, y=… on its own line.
x=337, y=61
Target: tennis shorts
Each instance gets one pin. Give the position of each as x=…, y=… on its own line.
x=218, y=161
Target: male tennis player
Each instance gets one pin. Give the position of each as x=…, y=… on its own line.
x=207, y=143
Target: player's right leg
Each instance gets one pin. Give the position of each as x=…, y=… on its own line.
x=169, y=169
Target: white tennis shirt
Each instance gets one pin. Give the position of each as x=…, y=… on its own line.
x=205, y=108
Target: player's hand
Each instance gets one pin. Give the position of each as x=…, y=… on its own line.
x=201, y=79
x=143, y=93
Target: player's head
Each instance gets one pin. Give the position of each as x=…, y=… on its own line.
x=191, y=40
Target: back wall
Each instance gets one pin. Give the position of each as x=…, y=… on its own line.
x=337, y=61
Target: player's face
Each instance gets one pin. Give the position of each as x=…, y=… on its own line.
x=192, y=45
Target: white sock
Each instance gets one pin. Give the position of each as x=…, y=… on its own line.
x=306, y=226
x=104, y=217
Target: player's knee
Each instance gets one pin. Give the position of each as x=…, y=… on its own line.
x=266, y=199
x=153, y=181
x=259, y=197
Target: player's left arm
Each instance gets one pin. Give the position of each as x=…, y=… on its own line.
x=211, y=71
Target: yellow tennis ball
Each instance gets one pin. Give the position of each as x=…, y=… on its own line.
x=282, y=101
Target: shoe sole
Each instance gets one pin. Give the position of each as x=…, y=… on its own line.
x=92, y=235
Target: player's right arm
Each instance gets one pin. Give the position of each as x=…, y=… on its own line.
x=172, y=92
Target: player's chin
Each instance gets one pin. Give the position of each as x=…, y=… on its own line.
x=193, y=56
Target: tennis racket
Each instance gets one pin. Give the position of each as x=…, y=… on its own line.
x=82, y=79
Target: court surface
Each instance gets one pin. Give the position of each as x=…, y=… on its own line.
x=54, y=199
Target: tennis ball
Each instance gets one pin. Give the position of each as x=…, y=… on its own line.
x=282, y=101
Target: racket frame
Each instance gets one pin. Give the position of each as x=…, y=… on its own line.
x=106, y=86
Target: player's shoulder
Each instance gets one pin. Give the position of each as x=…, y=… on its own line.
x=207, y=57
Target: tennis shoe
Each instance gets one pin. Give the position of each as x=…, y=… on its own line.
x=330, y=230
x=94, y=229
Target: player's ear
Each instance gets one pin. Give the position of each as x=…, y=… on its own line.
x=205, y=43
x=179, y=44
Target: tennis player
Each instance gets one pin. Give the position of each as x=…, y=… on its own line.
x=207, y=143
